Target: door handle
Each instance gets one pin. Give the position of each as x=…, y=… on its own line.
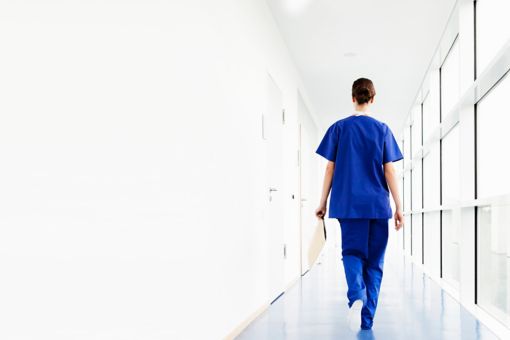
x=270, y=191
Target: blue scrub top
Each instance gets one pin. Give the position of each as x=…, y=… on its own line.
x=359, y=146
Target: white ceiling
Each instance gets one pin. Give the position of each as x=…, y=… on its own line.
x=394, y=41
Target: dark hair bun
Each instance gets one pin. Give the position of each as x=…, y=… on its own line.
x=363, y=90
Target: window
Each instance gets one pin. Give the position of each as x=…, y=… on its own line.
x=416, y=129
x=493, y=164
x=451, y=195
x=416, y=217
x=431, y=241
x=493, y=237
x=407, y=146
x=416, y=145
x=492, y=30
x=407, y=208
x=494, y=261
x=416, y=186
x=417, y=237
x=431, y=106
x=450, y=80
x=407, y=191
x=407, y=235
x=401, y=189
x=451, y=222
x=431, y=177
x=451, y=168
x=450, y=93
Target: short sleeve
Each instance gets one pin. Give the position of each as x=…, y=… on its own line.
x=391, y=150
x=329, y=144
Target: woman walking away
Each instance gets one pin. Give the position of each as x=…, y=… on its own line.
x=360, y=150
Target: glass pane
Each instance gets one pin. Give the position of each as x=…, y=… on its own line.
x=451, y=168
x=407, y=235
x=492, y=128
x=407, y=208
x=492, y=30
x=431, y=107
x=402, y=197
x=451, y=224
x=494, y=261
x=407, y=146
x=407, y=191
x=416, y=127
x=400, y=192
x=431, y=241
x=431, y=177
x=450, y=79
x=416, y=186
x=417, y=237
x=427, y=119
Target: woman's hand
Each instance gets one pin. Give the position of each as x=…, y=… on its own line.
x=321, y=211
x=399, y=219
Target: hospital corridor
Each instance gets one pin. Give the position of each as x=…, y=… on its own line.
x=254, y=169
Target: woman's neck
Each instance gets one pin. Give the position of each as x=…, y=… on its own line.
x=360, y=113
x=361, y=109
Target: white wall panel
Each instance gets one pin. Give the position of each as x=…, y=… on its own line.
x=132, y=166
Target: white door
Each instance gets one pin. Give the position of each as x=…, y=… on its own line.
x=308, y=179
x=274, y=186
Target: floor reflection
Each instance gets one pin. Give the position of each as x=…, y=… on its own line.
x=411, y=306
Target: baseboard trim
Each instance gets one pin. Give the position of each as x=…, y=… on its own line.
x=292, y=283
x=242, y=326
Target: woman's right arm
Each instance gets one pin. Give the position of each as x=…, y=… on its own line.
x=389, y=173
x=320, y=212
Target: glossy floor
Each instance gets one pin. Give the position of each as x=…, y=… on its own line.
x=411, y=306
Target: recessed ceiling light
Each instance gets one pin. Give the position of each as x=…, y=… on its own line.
x=296, y=6
x=349, y=54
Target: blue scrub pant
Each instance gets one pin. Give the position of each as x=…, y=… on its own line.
x=363, y=246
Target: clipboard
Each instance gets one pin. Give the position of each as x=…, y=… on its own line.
x=317, y=242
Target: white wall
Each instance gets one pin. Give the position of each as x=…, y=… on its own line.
x=131, y=184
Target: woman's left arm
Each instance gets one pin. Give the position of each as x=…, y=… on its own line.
x=326, y=187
